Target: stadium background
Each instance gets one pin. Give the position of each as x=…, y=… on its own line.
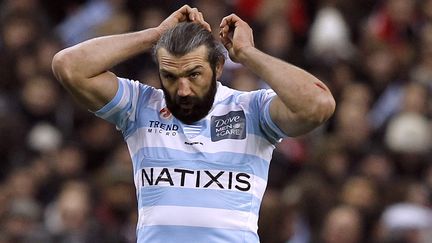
x=365, y=176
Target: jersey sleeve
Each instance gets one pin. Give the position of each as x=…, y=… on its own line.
x=122, y=109
x=263, y=100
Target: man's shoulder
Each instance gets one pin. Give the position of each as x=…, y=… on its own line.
x=233, y=95
x=143, y=88
x=225, y=92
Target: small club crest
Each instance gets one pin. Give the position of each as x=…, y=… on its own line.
x=165, y=113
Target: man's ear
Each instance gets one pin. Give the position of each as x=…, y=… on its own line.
x=219, y=68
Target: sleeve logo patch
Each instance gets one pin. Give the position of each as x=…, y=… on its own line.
x=229, y=126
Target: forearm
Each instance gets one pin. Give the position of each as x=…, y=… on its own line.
x=95, y=56
x=307, y=100
x=293, y=85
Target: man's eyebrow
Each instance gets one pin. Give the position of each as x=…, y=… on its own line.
x=188, y=71
x=163, y=71
x=194, y=69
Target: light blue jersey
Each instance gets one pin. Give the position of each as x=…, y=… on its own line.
x=201, y=182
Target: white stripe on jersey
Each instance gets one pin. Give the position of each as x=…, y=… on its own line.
x=191, y=131
x=197, y=217
x=135, y=97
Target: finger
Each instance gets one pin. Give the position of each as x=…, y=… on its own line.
x=182, y=13
x=207, y=26
x=223, y=22
x=225, y=26
x=230, y=20
x=185, y=9
x=226, y=42
x=193, y=14
x=201, y=16
x=196, y=16
x=224, y=37
x=227, y=20
x=224, y=30
x=203, y=22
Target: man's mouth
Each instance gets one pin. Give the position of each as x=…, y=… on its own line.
x=186, y=105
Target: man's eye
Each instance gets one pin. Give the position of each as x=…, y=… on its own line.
x=194, y=75
x=169, y=76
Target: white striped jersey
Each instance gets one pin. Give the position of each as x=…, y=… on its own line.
x=202, y=182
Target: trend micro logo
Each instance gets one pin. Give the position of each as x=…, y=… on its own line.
x=162, y=128
x=158, y=127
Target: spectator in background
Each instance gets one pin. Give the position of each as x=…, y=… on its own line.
x=69, y=217
x=23, y=222
x=406, y=222
x=342, y=224
x=329, y=37
x=83, y=24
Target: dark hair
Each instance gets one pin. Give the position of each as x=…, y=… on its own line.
x=185, y=37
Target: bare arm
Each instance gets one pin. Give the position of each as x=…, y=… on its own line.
x=83, y=68
x=303, y=102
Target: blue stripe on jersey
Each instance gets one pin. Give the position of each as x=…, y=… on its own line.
x=112, y=104
x=185, y=234
x=173, y=158
x=142, y=97
x=269, y=126
x=208, y=198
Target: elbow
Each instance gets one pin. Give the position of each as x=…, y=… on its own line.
x=309, y=117
x=318, y=112
x=62, y=67
x=325, y=108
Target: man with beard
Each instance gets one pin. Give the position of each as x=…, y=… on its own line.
x=200, y=150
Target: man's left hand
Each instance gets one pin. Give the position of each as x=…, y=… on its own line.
x=236, y=35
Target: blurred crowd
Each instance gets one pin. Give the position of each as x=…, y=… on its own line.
x=365, y=176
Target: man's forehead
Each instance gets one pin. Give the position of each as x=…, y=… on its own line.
x=197, y=56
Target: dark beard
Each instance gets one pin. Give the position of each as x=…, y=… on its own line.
x=200, y=108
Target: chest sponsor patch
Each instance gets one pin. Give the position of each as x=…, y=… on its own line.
x=188, y=178
x=229, y=126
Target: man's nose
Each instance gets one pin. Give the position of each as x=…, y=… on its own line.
x=183, y=87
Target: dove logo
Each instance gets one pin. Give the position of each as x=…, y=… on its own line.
x=229, y=126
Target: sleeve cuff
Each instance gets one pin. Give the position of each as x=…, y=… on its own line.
x=276, y=133
x=108, y=109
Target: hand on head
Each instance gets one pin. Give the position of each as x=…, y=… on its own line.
x=185, y=13
x=235, y=34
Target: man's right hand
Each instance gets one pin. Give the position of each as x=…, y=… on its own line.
x=185, y=13
x=84, y=68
